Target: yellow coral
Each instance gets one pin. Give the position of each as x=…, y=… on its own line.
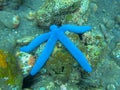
x=3, y=63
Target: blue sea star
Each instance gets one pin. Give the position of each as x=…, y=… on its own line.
x=57, y=33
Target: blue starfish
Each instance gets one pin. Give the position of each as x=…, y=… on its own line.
x=57, y=33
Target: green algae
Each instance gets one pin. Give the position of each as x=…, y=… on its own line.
x=60, y=65
x=9, y=70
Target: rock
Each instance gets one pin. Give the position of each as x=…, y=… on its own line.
x=2, y=4
x=106, y=75
x=15, y=4
x=54, y=12
x=117, y=18
x=111, y=87
x=25, y=62
x=10, y=4
x=9, y=19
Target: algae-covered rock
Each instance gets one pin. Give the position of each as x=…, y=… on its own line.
x=61, y=63
x=62, y=67
x=3, y=3
x=10, y=4
x=60, y=12
x=10, y=74
x=25, y=61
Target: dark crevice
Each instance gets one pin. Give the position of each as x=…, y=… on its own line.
x=80, y=36
x=27, y=81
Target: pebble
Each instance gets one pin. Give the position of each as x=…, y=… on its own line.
x=42, y=88
x=63, y=87
x=24, y=40
x=111, y=87
x=30, y=15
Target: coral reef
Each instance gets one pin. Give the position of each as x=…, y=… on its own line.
x=60, y=12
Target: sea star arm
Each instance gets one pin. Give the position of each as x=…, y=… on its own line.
x=44, y=55
x=35, y=42
x=76, y=29
x=77, y=54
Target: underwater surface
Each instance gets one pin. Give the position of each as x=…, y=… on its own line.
x=81, y=53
